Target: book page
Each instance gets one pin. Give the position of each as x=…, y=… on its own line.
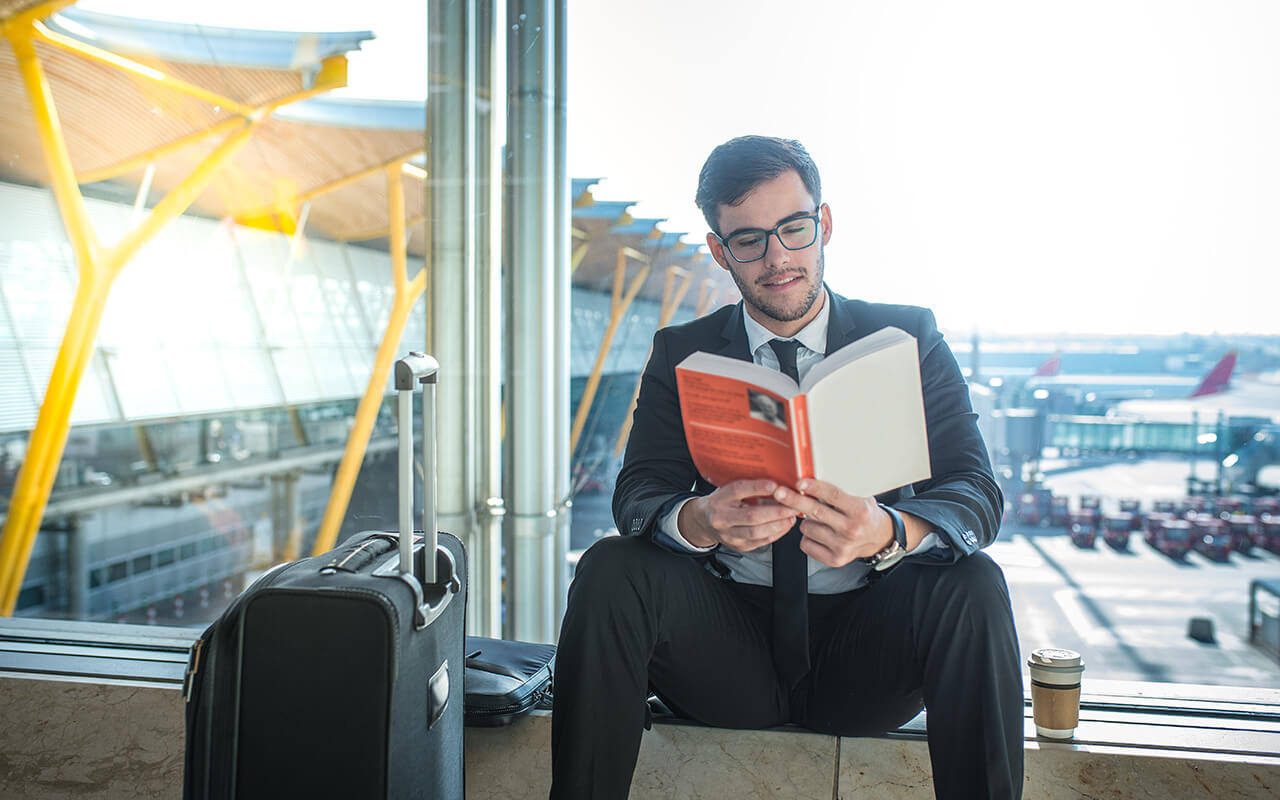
x=867, y=421
x=736, y=429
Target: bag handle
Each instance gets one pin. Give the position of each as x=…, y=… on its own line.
x=417, y=368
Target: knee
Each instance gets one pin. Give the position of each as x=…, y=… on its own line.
x=613, y=562
x=975, y=584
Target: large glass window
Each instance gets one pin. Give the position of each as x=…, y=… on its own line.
x=1083, y=196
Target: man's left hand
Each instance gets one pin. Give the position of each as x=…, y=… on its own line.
x=837, y=527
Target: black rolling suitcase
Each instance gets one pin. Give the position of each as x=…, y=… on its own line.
x=341, y=675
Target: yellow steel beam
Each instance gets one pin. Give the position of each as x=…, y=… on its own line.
x=332, y=75
x=672, y=296
x=61, y=174
x=98, y=271
x=617, y=307
x=706, y=293
x=347, y=180
x=156, y=153
x=379, y=233
x=407, y=293
x=129, y=65
x=274, y=214
x=23, y=19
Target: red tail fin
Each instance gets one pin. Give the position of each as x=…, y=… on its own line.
x=1049, y=368
x=1219, y=378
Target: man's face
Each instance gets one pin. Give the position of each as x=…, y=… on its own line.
x=783, y=290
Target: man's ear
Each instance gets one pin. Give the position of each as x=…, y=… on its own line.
x=825, y=218
x=717, y=250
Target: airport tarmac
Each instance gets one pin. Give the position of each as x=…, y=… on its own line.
x=1128, y=611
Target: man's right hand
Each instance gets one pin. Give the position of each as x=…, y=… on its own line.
x=741, y=515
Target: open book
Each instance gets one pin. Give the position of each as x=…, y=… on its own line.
x=857, y=419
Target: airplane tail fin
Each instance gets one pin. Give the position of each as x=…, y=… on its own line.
x=1218, y=378
x=1049, y=368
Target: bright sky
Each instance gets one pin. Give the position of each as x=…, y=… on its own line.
x=1017, y=165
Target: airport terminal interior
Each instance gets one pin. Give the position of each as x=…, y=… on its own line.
x=210, y=257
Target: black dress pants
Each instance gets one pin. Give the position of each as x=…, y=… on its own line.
x=938, y=636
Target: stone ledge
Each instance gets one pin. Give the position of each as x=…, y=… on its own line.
x=69, y=738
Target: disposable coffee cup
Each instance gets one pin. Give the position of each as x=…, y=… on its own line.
x=1055, y=691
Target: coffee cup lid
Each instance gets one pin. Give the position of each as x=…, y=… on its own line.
x=1054, y=657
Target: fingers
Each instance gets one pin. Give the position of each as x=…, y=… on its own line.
x=828, y=493
x=742, y=489
x=747, y=538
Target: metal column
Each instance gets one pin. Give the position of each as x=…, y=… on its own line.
x=452, y=300
x=485, y=607
x=535, y=315
x=562, y=269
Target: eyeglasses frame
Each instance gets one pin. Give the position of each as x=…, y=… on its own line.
x=772, y=233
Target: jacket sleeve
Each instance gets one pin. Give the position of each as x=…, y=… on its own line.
x=657, y=470
x=961, y=500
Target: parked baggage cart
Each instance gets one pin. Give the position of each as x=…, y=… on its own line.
x=1270, y=526
x=1058, y=511
x=1154, y=521
x=1266, y=505
x=1174, y=538
x=1209, y=535
x=1028, y=509
x=341, y=675
x=1090, y=501
x=1083, y=527
x=1164, y=506
x=1116, y=527
x=1246, y=532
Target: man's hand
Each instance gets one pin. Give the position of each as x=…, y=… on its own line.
x=739, y=515
x=838, y=527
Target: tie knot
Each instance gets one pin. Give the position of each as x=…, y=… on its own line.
x=785, y=350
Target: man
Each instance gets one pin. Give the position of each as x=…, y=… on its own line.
x=737, y=614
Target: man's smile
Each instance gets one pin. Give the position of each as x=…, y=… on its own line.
x=784, y=281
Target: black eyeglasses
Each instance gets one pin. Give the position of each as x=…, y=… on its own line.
x=796, y=233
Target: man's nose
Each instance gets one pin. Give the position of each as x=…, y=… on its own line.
x=775, y=252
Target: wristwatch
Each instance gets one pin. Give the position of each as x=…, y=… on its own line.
x=896, y=549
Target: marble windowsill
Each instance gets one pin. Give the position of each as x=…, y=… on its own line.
x=69, y=738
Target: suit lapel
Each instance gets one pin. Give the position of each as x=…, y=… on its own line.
x=840, y=323
x=734, y=334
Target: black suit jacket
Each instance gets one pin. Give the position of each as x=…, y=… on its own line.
x=961, y=499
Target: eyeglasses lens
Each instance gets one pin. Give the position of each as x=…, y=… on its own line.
x=794, y=235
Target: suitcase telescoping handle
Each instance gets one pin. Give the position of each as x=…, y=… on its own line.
x=439, y=580
x=417, y=368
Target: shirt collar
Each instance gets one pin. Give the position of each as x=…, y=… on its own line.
x=813, y=336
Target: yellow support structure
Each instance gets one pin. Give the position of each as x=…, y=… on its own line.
x=98, y=270
x=671, y=299
x=706, y=293
x=129, y=65
x=618, y=306
x=407, y=293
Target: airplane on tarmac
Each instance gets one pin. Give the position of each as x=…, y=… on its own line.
x=1120, y=388
x=1250, y=397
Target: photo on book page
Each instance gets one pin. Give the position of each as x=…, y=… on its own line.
x=767, y=408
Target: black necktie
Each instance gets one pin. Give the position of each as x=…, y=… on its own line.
x=790, y=573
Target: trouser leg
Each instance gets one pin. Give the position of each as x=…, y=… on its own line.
x=943, y=635
x=639, y=616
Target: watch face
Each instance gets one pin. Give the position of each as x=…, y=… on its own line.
x=888, y=557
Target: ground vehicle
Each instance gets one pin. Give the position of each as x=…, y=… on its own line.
x=1116, y=527
x=1058, y=511
x=1173, y=538
x=1210, y=535
x=1270, y=525
x=1246, y=532
x=1153, y=523
x=1033, y=506
x=1083, y=526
